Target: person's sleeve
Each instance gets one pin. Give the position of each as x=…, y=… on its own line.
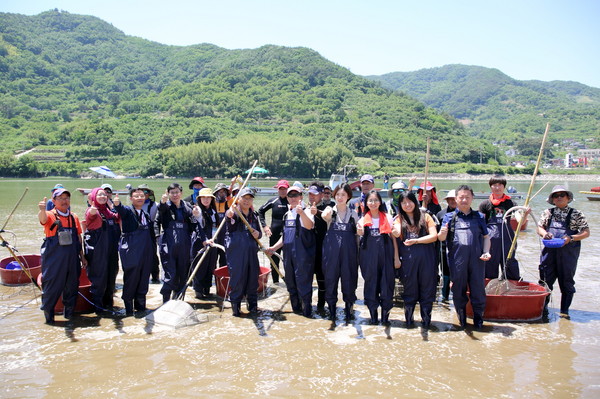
x=263, y=209
x=543, y=222
x=447, y=218
x=579, y=221
x=484, y=228
x=429, y=220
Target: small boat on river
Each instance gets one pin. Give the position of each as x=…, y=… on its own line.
x=86, y=191
x=593, y=194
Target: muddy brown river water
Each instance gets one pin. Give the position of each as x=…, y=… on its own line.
x=281, y=354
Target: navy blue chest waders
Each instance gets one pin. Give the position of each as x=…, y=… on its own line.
x=561, y=263
x=377, y=268
x=99, y=247
x=467, y=271
x=114, y=234
x=501, y=235
x=175, y=249
x=418, y=274
x=340, y=261
x=299, y=263
x=135, y=250
x=320, y=229
x=242, y=259
x=203, y=279
x=61, y=268
x=220, y=239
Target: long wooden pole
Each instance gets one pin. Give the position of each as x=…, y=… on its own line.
x=14, y=209
x=191, y=277
x=513, y=245
x=426, y=173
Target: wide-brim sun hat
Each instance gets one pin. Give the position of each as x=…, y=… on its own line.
x=205, y=192
x=559, y=189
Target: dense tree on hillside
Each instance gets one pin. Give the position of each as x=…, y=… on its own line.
x=498, y=107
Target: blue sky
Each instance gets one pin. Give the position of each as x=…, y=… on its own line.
x=526, y=39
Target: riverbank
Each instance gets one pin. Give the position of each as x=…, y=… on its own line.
x=486, y=177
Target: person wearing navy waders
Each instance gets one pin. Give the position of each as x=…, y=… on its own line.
x=62, y=254
x=222, y=203
x=207, y=222
x=279, y=207
x=298, y=244
x=358, y=204
x=416, y=235
x=242, y=255
x=101, y=249
x=501, y=233
x=562, y=221
x=451, y=201
x=315, y=198
x=114, y=230
x=177, y=223
x=466, y=236
x=151, y=208
x=378, y=256
x=340, y=252
x=135, y=249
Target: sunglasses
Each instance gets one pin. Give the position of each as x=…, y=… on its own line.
x=294, y=195
x=559, y=195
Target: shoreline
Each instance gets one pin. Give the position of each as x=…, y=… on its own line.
x=486, y=177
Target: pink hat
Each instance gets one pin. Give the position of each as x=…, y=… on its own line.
x=282, y=183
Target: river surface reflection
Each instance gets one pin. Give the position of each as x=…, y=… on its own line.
x=283, y=354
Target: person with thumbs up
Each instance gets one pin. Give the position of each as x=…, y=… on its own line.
x=62, y=254
x=135, y=248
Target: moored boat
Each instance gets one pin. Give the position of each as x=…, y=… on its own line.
x=11, y=272
x=593, y=194
x=520, y=301
x=86, y=191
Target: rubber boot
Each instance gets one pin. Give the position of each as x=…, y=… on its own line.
x=296, y=305
x=349, y=311
x=235, y=309
x=128, y=308
x=477, y=320
x=321, y=299
x=385, y=317
x=252, y=307
x=426, y=315
x=68, y=313
x=374, y=317
x=462, y=317
x=565, y=302
x=446, y=288
x=332, y=310
x=166, y=297
x=49, y=316
x=409, y=310
x=307, y=308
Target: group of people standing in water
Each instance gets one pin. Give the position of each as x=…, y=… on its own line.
x=332, y=236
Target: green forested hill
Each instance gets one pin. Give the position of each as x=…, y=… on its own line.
x=78, y=92
x=496, y=107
